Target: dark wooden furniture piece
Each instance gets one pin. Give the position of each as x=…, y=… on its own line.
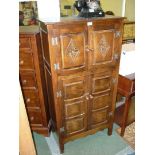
x=32, y=79
x=124, y=115
x=81, y=62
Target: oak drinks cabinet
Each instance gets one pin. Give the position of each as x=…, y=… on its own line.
x=81, y=63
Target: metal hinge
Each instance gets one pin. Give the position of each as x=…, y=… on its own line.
x=59, y=94
x=54, y=41
x=116, y=57
x=117, y=34
x=110, y=113
x=113, y=80
x=56, y=66
x=62, y=129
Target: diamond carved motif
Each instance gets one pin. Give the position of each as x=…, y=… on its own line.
x=103, y=46
x=72, y=51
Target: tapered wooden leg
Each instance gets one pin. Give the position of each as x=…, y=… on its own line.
x=110, y=128
x=61, y=145
x=61, y=148
x=125, y=115
x=109, y=131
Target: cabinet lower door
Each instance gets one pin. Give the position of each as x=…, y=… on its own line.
x=74, y=104
x=101, y=93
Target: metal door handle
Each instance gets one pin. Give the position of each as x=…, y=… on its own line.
x=91, y=97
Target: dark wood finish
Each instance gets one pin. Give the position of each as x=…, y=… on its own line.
x=82, y=58
x=131, y=113
x=125, y=114
x=33, y=81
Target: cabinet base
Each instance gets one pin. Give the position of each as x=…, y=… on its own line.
x=43, y=131
x=83, y=134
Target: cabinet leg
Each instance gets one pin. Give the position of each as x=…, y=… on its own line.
x=110, y=130
x=61, y=145
x=122, y=131
x=61, y=148
x=125, y=115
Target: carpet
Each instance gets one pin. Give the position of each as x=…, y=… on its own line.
x=129, y=135
x=96, y=144
x=41, y=144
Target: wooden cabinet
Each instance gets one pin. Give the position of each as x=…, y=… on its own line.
x=81, y=61
x=33, y=81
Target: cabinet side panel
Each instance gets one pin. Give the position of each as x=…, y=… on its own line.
x=41, y=81
x=50, y=96
x=45, y=47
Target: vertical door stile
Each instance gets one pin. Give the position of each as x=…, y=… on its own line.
x=60, y=96
x=89, y=102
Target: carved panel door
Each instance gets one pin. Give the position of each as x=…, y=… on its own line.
x=102, y=43
x=70, y=52
x=74, y=104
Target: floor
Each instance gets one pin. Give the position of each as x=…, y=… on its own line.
x=96, y=144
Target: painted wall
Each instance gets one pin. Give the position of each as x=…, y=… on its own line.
x=107, y=5
x=112, y=5
x=130, y=10
x=47, y=9
x=66, y=2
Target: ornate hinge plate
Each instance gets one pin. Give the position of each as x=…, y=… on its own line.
x=62, y=129
x=54, y=41
x=59, y=93
x=117, y=34
x=56, y=66
x=110, y=113
x=116, y=57
x=114, y=80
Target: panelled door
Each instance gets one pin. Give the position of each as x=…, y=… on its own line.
x=74, y=104
x=69, y=48
x=101, y=93
x=103, y=45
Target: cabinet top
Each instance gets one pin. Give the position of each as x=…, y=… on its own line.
x=28, y=29
x=78, y=19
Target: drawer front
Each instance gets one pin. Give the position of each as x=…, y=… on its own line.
x=28, y=80
x=35, y=117
x=31, y=98
x=26, y=60
x=25, y=43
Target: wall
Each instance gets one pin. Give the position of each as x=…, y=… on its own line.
x=66, y=2
x=47, y=9
x=130, y=10
x=112, y=5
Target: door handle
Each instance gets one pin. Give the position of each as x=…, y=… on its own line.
x=87, y=98
x=88, y=49
x=91, y=97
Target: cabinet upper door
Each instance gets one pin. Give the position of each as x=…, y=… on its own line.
x=69, y=50
x=104, y=44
